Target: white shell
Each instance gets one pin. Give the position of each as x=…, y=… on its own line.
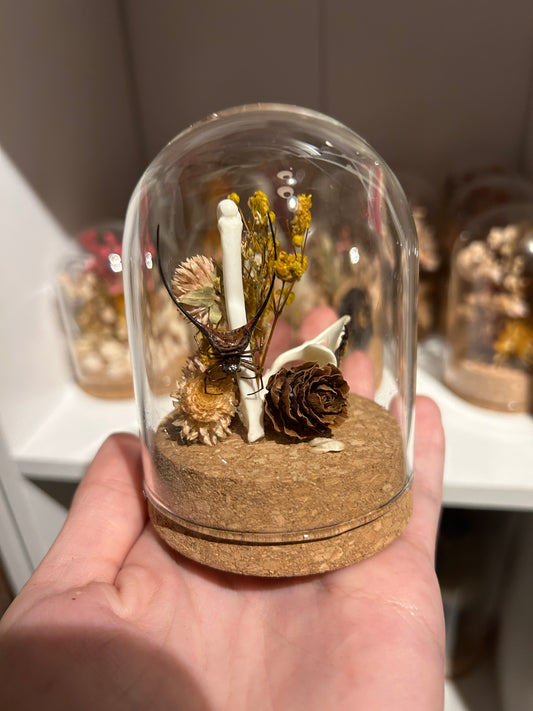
x=320, y=349
x=325, y=444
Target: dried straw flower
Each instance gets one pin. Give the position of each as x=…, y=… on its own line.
x=476, y=262
x=306, y=400
x=196, y=285
x=204, y=408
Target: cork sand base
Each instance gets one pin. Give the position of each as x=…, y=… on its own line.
x=279, y=509
x=108, y=389
x=494, y=387
x=290, y=559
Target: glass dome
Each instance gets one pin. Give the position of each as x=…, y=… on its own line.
x=91, y=297
x=489, y=357
x=287, y=250
x=478, y=193
x=424, y=203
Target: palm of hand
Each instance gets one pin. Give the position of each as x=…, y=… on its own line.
x=114, y=620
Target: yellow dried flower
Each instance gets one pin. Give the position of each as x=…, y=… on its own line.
x=302, y=218
x=259, y=207
x=204, y=408
x=233, y=196
x=297, y=240
x=290, y=267
x=206, y=353
x=515, y=341
x=285, y=295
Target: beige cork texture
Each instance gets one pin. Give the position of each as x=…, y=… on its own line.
x=280, y=508
x=492, y=386
x=289, y=559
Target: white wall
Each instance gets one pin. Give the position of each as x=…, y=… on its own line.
x=92, y=90
x=66, y=118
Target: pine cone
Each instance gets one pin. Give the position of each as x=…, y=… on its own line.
x=306, y=400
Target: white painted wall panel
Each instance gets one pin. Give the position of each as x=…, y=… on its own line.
x=193, y=58
x=432, y=85
x=66, y=118
x=92, y=90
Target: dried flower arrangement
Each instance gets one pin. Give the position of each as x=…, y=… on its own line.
x=491, y=318
x=325, y=462
x=227, y=373
x=496, y=302
x=287, y=254
x=91, y=295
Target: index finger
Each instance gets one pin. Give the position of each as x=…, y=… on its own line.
x=429, y=471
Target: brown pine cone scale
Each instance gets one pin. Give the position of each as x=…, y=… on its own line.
x=306, y=400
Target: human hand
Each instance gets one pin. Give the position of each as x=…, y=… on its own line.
x=113, y=619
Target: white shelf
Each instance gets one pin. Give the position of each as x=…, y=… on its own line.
x=53, y=428
x=71, y=435
x=489, y=455
x=50, y=428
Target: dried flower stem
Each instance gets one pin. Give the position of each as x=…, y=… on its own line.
x=284, y=295
x=278, y=308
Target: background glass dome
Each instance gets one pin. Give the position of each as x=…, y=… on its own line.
x=489, y=337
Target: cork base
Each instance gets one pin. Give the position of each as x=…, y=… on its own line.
x=102, y=386
x=108, y=389
x=288, y=559
x=279, y=507
x=491, y=386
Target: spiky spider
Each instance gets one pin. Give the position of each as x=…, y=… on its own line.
x=230, y=348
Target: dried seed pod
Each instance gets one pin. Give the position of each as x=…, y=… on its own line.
x=306, y=400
